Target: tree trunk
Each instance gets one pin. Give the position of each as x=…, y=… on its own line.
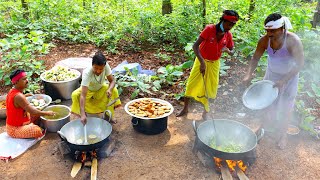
x=25, y=9
x=316, y=16
x=166, y=7
x=251, y=8
x=204, y=12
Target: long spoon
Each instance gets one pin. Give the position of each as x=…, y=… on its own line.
x=213, y=121
x=85, y=134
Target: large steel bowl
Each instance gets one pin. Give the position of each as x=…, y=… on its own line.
x=46, y=98
x=55, y=123
x=61, y=89
x=74, y=130
x=260, y=95
x=3, y=112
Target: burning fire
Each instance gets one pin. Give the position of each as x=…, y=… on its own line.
x=83, y=157
x=86, y=156
x=231, y=164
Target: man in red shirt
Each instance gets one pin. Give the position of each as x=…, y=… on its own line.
x=204, y=77
x=18, y=123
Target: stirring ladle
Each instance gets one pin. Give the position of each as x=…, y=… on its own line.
x=213, y=121
x=85, y=134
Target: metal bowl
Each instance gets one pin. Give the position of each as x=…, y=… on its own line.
x=3, y=112
x=46, y=98
x=126, y=108
x=61, y=89
x=260, y=95
x=54, y=123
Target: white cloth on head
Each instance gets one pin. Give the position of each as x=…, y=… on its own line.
x=279, y=23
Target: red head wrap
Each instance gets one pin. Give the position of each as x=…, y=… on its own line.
x=18, y=76
x=233, y=19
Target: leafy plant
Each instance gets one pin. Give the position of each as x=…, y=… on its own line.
x=223, y=67
x=140, y=82
x=19, y=51
x=170, y=74
x=307, y=118
x=162, y=56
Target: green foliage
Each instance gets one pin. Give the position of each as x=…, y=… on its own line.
x=146, y=84
x=162, y=56
x=19, y=51
x=307, y=118
x=170, y=74
x=135, y=25
x=140, y=82
x=223, y=66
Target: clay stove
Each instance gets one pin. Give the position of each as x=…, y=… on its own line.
x=227, y=168
x=86, y=158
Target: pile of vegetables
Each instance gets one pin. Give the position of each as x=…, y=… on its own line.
x=59, y=73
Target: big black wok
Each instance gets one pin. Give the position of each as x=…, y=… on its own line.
x=227, y=131
x=74, y=130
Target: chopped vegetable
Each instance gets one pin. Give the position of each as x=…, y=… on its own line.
x=59, y=73
x=227, y=146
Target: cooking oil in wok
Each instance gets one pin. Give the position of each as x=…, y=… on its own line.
x=92, y=139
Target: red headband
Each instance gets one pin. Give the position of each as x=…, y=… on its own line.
x=233, y=19
x=18, y=76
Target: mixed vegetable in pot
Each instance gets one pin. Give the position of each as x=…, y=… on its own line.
x=227, y=146
x=59, y=73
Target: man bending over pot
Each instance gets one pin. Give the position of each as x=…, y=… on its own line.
x=94, y=94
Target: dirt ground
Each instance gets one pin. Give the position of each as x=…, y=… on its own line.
x=167, y=155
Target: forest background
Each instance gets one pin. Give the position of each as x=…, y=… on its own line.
x=30, y=28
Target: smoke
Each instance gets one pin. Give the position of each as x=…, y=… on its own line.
x=311, y=45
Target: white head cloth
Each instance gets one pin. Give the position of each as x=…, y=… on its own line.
x=279, y=23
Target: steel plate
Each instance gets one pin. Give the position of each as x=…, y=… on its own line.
x=260, y=95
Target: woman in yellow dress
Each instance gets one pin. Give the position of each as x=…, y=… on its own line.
x=94, y=94
x=203, y=81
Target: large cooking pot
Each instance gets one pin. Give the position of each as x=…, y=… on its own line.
x=74, y=130
x=227, y=131
x=149, y=126
x=61, y=89
x=54, y=123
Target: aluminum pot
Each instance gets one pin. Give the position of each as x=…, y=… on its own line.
x=74, y=130
x=61, y=89
x=55, y=124
x=227, y=131
x=149, y=126
x=3, y=112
